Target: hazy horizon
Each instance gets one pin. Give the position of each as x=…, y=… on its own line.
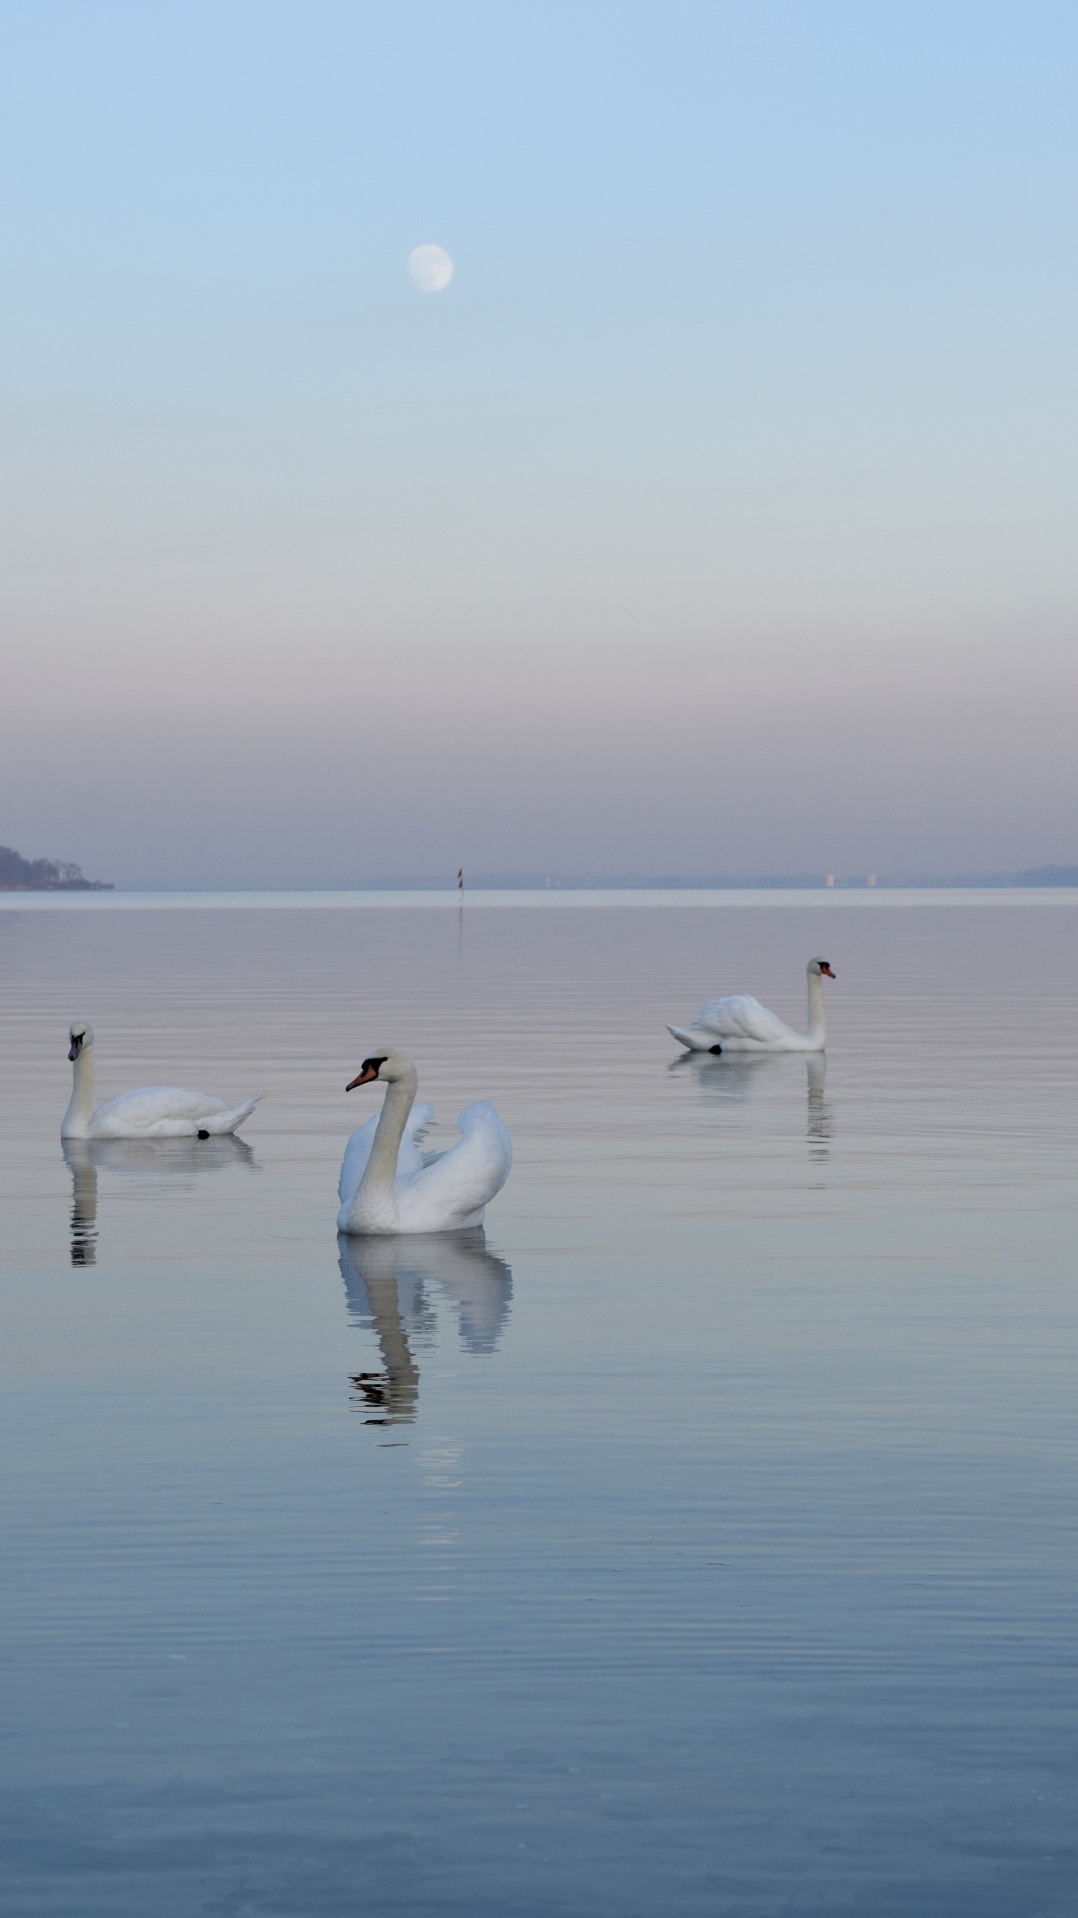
x=716, y=517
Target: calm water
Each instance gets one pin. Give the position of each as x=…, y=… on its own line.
x=704, y=1541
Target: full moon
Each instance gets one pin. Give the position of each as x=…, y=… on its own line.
x=430, y=268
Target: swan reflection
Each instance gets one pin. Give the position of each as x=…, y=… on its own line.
x=733, y=1078
x=732, y=1075
x=389, y=1284
x=79, y=1154
x=820, y=1122
x=141, y=1163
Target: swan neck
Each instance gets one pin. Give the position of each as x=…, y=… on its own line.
x=380, y=1174
x=816, y=1026
x=76, y=1120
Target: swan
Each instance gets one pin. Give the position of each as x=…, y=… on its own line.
x=741, y=1024
x=154, y=1112
x=387, y=1185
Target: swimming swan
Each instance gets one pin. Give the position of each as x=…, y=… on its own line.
x=387, y=1186
x=156, y=1112
x=741, y=1024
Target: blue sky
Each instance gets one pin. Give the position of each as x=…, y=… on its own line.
x=717, y=517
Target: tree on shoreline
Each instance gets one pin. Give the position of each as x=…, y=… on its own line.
x=43, y=875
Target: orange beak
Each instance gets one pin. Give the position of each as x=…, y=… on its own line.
x=827, y=972
x=364, y=1079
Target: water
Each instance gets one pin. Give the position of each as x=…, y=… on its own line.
x=701, y=1541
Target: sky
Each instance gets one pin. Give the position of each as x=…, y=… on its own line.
x=717, y=517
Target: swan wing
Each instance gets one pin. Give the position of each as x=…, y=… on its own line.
x=358, y=1151
x=740, y=1016
x=452, y=1192
x=162, y=1112
x=219, y=1124
x=420, y=1117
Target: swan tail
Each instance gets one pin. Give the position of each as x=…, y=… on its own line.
x=221, y=1122
x=695, y=1041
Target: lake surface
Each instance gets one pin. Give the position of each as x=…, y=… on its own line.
x=703, y=1540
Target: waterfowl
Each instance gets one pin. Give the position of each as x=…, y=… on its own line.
x=740, y=1023
x=154, y=1112
x=386, y=1183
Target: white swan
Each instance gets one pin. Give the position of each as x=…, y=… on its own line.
x=387, y=1186
x=155, y=1112
x=741, y=1024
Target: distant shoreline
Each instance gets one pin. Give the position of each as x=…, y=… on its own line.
x=448, y=900
x=44, y=875
x=1051, y=876
x=1035, y=878
x=684, y=882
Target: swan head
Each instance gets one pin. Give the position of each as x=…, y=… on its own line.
x=820, y=969
x=81, y=1035
x=384, y=1064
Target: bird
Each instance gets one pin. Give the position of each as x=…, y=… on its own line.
x=740, y=1023
x=388, y=1185
x=154, y=1112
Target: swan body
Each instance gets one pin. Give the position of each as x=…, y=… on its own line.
x=386, y=1184
x=358, y=1150
x=740, y=1023
x=154, y=1112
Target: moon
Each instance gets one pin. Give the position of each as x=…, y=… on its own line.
x=430, y=268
